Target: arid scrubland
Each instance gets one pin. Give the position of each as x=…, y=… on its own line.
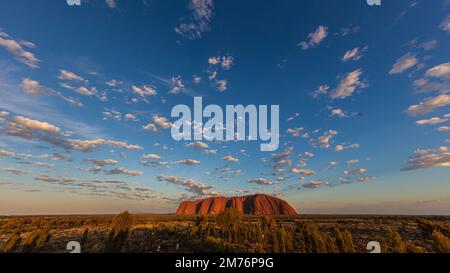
x=227, y=232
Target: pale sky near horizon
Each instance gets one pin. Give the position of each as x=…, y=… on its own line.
x=86, y=94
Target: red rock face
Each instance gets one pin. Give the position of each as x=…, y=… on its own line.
x=258, y=204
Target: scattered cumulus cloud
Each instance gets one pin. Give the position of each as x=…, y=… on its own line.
x=354, y=54
x=404, y=63
x=103, y=162
x=34, y=88
x=445, y=25
x=427, y=158
x=230, y=159
x=199, y=22
x=198, y=144
x=111, y=3
x=355, y=171
x=151, y=156
x=261, y=181
x=17, y=49
x=440, y=71
x=324, y=140
x=348, y=85
x=123, y=171
x=190, y=185
x=428, y=105
x=70, y=76
x=144, y=91
x=431, y=121
x=315, y=38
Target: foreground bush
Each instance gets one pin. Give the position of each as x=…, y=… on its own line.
x=118, y=232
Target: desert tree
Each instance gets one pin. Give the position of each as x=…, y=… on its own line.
x=228, y=221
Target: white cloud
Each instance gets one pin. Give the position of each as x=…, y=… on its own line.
x=151, y=127
x=32, y=87
x=113, y=83
x=70, y=76
x=37, y=164
x=353, y=161
x=199, y=23
x=189, y=162
x=341, y=147
x=422, y=159
x=321, y=90
x=177, y=85
x=5, y=153
x=315, y=38
x=314, y=184
x=15, y=171
x=431, y=121
x=145, y=91
x=261, y=181
x=103, y=162
x=365, y=179
x=162, y=122
x=130, y=117
x=28, y=126
x=444, y=129
x=428, y=45
x=356, y=171
x=296, y=115
x=445, y=25
x=404, y=63
x=440, y=71
x=15, y=48
x=230, y=159
x=196, y=79
x=214, y=60
x=348, y=30
x=333, y=163
x=112, y=114
x=295, y=132
x=189, y=184
x=424, y=85
x=354, y=54
x=429, y=105
x=324, y=140
x=303, y=172
x=227, y=62
x=111, y=3
x=84, y=91
x=121, y=170
x=222, y=85
x=91, y=145
x=211, y=152
x=337, y=112
x=197, y=144
x=348, y=85
x=151, y=156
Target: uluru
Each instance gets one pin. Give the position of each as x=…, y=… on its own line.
x=258, y=204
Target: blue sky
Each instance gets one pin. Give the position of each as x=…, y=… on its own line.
x=86, y=94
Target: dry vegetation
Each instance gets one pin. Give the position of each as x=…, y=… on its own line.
x=228, y=232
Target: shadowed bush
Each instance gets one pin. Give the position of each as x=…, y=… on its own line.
x=228, y=221
x=13, y=242
x=118, y=232
x=441, y=243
